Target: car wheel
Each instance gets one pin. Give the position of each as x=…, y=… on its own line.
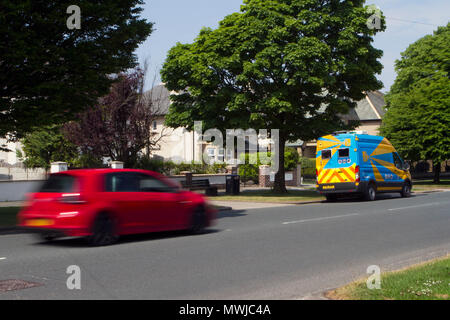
x=103, y=231
x=45, y=237
x=406, y=190
x=370, y=193
x=198, y=221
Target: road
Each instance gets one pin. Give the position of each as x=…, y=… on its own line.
x=289, y=252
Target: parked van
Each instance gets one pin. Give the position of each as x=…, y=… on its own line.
x=358, y=163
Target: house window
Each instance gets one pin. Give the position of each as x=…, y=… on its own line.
x=220, y=155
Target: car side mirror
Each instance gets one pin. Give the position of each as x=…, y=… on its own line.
x=406, y=166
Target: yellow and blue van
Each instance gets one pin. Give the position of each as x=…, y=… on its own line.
x=358, y=163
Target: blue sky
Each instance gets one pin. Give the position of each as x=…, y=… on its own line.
x=181, y=20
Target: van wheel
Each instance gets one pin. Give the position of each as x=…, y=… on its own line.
x=406, y=190
x=331, y=197
x=198, y=221
x=103, y=231
x=370, y=193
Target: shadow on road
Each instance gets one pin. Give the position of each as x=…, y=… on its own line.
x=230, y=214
x=82, y=243
x=380, y=197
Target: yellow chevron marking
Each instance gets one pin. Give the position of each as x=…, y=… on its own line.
x=365, y=156
x=384, y=147
x=330, y=137
x=388, y=188
x=388, y=165
x=377, y=174
x=322, y=144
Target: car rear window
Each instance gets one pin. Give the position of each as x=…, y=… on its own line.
x=59, y=183
x=344, y=153
x=326, y=154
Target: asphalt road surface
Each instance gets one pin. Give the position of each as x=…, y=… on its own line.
x=289, y=252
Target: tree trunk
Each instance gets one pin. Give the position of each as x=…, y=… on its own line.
x=437, y=171
x=279, y=184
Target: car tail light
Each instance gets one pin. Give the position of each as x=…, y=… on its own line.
x=72, y=198
x=357, y=177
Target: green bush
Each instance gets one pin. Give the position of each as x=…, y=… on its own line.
x=308, y=167
x=249, y=171
x=172, y=168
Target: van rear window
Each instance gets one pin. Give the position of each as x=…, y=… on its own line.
x=326, y=154
x=59, y=183
x=344, y=153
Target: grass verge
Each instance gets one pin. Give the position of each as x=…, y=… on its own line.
x=8, y=216
x=425, y=185
x=269, y=196
x=426, y=281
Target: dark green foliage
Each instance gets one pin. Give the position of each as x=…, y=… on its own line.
x=273, y=66
x=48, y=73
x=418, y=118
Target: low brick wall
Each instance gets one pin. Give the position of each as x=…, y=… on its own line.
x=267, y=178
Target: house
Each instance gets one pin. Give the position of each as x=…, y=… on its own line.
x=181, y=145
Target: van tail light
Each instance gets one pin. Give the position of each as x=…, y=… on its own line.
x=357, y=176
x=317, y=177
x=72, y=198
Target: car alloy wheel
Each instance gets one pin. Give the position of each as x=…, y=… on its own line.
x=198, y=222
x=103, y=232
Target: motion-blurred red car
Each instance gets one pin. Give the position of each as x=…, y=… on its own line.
x=102, y=204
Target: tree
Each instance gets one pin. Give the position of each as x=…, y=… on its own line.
x=118, y=126
x=45, y=145
x=417, y=121
x=292, y=65
x=49, y=73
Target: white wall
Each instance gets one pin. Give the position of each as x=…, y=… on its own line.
x=17, y=190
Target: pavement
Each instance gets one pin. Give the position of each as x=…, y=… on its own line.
x=283, y=252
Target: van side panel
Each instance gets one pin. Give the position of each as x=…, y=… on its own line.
x=377, y=163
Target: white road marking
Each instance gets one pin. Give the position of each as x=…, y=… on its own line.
x=2, y=258
x=418, y=206
x=321, y=219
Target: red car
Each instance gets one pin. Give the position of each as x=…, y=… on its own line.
x=102, y=204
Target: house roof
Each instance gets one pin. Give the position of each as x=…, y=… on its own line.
x=372, y=107
x=159, y=97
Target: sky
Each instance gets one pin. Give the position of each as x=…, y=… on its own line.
x=181, y=20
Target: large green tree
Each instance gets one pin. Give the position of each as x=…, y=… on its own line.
x=49, y=72
x=292, y=65
x=418, y=118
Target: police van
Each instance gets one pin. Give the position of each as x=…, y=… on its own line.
x=358, y=163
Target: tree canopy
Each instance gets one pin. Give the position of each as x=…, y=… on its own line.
x=49, y=72
x=45, y=145
x=417, y=121
x=292, y=65
x=118, y=126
